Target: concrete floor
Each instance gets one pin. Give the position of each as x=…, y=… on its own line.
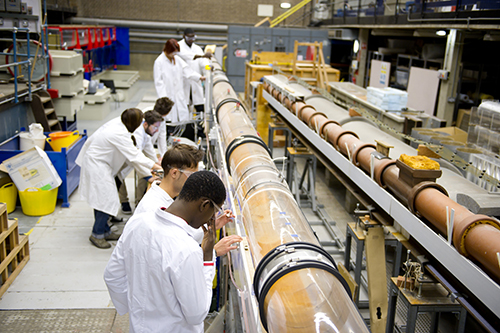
x=65, y=270
x=61, y=289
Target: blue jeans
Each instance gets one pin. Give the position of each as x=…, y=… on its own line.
x=101, y=228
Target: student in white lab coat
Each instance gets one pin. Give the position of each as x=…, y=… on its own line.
x=170, y=71
x=179, y=163
x=158, y=273
x=143, y=133
x=194, y=56
x=100, y=159
x=163, y=106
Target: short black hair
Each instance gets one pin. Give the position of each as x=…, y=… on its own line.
x=151, y=117
x=188, y=31
x=203, y=184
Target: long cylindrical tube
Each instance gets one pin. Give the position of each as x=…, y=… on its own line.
x=303, y=300
x=476, y=236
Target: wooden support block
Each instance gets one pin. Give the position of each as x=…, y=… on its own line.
x=425, y=151
x=377, y=278
x=348, y=278
x=21, y=254
x=383, y=147
x=3, y=217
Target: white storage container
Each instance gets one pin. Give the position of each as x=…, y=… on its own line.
x=66, y=62
x=69, y=106
x=68, y=85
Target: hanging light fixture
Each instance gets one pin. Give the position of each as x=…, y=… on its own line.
x=285, y=5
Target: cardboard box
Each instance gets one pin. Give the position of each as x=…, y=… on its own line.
x=32, y=168
x=455, y=133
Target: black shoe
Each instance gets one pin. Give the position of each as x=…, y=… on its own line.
x=126, y=209
x=115, y=219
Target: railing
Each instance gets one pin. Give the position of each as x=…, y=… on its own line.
x=17, y=63
x=397, y=11
x=288, y=13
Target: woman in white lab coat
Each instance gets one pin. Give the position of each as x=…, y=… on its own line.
x=170, y=71
x=100, y=160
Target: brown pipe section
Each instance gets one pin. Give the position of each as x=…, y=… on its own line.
x=475, y=236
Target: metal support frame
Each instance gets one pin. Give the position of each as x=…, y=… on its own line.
x=475, y=279
x=357, y=265
x=309, y=171
x=414, y=309
x=270, y=137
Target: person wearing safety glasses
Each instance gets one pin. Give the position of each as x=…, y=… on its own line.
x=179, y=163
x=142, y=135
x=194, y=56
x=158, y=273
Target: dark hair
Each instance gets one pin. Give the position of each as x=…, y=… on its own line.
x=171, y=45
x=203, y=184
x=188, y=31
x=132, y=118
x=181, y=156
x=152, y=117
x=163, y=105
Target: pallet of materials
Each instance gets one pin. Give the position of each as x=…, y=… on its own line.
x=14, y=250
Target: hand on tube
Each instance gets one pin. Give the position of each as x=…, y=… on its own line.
x=208, y=55
x=202, y=78
x=227, y=244
x=222, y=220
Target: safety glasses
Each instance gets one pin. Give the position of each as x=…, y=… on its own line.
x=218, y=209
x=186, y=172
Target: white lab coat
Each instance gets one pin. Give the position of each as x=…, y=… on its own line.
x=144, y=144
x=187, y=54
x=160, y=137
x=101, y=157
x=156, y=198
x=156, y=273
x=169, y=82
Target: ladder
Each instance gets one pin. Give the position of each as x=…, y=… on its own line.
x=319, y=76
x=44, y=111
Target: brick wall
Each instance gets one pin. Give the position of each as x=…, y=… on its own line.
x=206, y=11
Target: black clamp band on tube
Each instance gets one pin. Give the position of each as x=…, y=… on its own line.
x=229, y=100
x=291, y=267
x=243, y=139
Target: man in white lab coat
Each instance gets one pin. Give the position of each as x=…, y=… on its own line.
x=170, y=71
x=163, y=106
x=179, y=163
x=158, y=273
x=143, y=133
x=194, y=56
x=100, y=159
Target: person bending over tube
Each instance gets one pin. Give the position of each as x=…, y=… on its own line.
x=100, y=159
x=179, y=163
x=143, y=133
x=158, y=273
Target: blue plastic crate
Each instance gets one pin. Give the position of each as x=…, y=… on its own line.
x=63, y=161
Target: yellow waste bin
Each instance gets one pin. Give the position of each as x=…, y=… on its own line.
x=36, y=202
x=8, y=194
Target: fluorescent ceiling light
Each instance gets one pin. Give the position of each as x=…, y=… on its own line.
x=285, y=5
x=355, y=46
x=441, y=33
